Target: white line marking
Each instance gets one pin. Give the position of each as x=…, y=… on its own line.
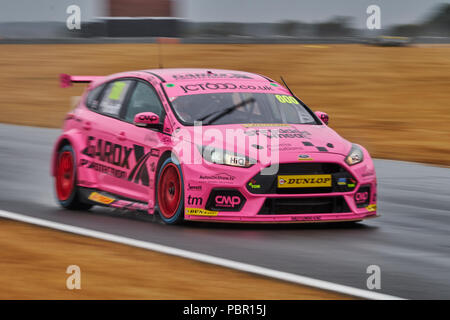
x=285, y=276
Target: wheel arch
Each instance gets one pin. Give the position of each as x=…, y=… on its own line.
x=71, y=138
x=164, y=156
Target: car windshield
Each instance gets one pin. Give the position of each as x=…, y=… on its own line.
x=240, y=108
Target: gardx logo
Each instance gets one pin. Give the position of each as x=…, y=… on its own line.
x=117, y=155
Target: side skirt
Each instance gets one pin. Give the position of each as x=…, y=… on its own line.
x=102, y=198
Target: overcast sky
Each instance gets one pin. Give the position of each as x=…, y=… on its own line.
x=392, y=11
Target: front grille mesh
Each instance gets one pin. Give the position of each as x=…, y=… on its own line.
x=274, y=206
x=267, y=184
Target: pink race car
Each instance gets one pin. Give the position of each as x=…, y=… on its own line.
x=208, y=145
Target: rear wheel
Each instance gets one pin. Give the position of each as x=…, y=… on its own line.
x=170, y=193
x=65, y=180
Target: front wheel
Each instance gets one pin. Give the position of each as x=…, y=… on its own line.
x=65, y=180
x=170, y=193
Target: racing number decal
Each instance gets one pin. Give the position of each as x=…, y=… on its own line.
x=286, y=99
x=116, y=90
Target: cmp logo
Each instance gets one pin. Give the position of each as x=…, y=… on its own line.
x=225, y=200
x=119, y=156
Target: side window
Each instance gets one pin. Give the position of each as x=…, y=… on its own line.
x=93, y=97
x=143, y=99
x=114, y=96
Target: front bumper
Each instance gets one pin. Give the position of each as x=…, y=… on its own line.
x=270, y=206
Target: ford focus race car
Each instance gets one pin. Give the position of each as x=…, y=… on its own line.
x=208, y=145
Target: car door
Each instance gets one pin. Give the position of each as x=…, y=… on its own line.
x=107, y=155
x=143, y=141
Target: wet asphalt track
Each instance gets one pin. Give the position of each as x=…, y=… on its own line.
x=410, y=241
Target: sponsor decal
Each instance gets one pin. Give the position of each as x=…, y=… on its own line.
x=97, y=197
x=238, y=161
x=200, y=212
x=361, y=197
x=371, y=207
x=253, y=125
x=304, y=181
x=286, y=99
x=129, y=205
x=304, y=157
x=342, y=181
x=306, y=218
x=222, y=177
x=191, y=187
x=281, y=133
x=117, y=173
x=148, y=118
x=223, y=86
x=252, y=184
x=227, y=201
x=285, y=147
x=210, y=75
x=107, y=151
x=351, y=183
x=118, y=155
x=324, y=117
x=196, y=201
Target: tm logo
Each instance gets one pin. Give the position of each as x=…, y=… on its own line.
x=196, y=201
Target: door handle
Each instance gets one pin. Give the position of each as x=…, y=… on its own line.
x=122, y=136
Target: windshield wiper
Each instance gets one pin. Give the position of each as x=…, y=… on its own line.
x=225, y=111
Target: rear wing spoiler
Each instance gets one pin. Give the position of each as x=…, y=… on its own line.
x=66, y=80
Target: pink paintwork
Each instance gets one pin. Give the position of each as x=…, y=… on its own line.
x=322, y=116
x=120, y=159
x=66, y=80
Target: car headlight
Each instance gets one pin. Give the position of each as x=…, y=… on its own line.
x=355, y=155
x=219, y=156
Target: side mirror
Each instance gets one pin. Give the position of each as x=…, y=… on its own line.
x=323, y=116
x=147, y=119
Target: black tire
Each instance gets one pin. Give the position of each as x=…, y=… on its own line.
x=68, y=197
